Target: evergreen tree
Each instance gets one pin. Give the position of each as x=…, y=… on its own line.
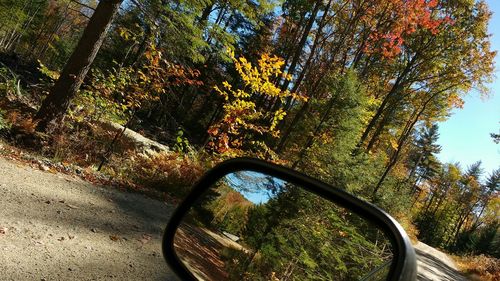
x=423, y=158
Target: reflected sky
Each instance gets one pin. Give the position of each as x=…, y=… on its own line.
x=256, y=187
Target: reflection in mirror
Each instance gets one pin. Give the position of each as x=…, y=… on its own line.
x=251, y=226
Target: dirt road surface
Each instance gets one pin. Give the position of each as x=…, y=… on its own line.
x=434, y=265
x=56, y=227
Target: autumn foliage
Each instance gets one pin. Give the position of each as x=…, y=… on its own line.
x=131, y=88
x=401, y=19
x=347, y=91
x=244, y=124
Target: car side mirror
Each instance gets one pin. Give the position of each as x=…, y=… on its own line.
x=247, y=219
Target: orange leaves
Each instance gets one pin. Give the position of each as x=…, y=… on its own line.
x=21, y=121
x=485, y=267
x=393, y=20
x=130, y=87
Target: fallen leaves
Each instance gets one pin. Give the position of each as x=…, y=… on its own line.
x=115, y=238
x=48, y=202
x=62, y=238
x=85, y=173
x=145, y=238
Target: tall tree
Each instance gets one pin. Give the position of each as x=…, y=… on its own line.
x=56, y=103
x=423, y=158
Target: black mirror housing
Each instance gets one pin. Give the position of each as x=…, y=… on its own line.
x=402, y=267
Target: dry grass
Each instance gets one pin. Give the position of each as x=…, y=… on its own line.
x=483, y=268
x=173, y=173
x=83, y=144
x=408, y=226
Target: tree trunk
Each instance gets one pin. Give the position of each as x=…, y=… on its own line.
x=202, y=21
x=380, y=126
x=317, y=130
x=378, y=114
x=300, y=47
x=302, y=111
x=398, y=84
x=401, y=141
x=313, y=48
x=57, y=102
x=414, y=169
x=456, y=234
x=430, y=202
x=438, y=204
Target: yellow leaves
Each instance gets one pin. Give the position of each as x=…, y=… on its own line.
x=241, y=114
x=241, y=94
x=222, y=93
x=454, y=100
x=239, y=107
x=394, y=144
x=259, y=78
x=227, y=85
x=124, y=33
x=296, y=96
x=54, y=75
x=230, y=52
x=288, y=77
x=278, y=116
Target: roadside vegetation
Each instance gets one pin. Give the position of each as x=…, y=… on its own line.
x=347, y=91
x=288, y=233
x=479, y=267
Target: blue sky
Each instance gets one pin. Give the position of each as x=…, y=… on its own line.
x=254, y=186
x=465, y=136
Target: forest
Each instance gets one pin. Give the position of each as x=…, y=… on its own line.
x=347, y=91
x=282, y=231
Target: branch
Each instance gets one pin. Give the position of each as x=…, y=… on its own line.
x=80, y=12
x=150, y=18
x=84, y=5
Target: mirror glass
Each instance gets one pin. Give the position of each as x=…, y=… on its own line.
x=252, y=226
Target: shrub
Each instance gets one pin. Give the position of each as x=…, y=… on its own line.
x=173, y=173
x=9, y=83
x=484, y=268
x=4, y=123
x=408, y=225
x=78, y=143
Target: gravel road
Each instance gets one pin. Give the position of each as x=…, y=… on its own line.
x=56, y=227
x=434, y=265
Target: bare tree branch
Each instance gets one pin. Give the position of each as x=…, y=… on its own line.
x=80, y=12
x=84, y=5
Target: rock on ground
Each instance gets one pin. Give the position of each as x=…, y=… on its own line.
x=134, y=140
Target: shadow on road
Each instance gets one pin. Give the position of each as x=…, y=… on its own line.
x=61, y=228
x=433, y=269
